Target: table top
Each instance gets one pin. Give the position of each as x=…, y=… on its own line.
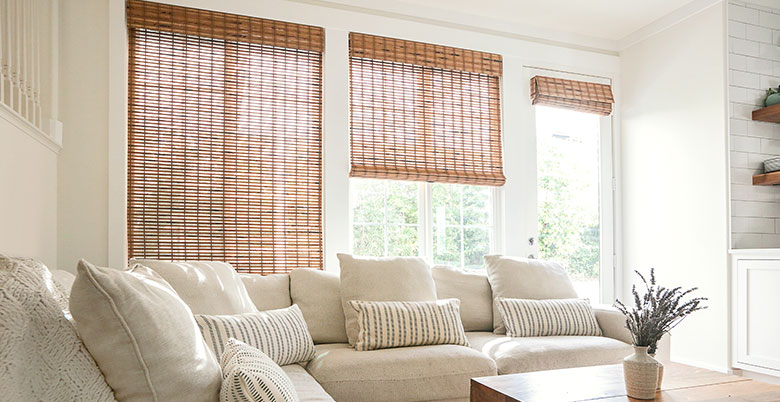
x=605, y=384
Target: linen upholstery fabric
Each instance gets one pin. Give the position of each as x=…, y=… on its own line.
x=393, y=324
x=280, y=334
x=418, y=373
x=522, y=278
x=317, y=294
x=268, y=292
x=612, y=323
x=548, y=317
x=473, y=290
x=248, y=375
x=143, y=336
x=208, y=287
x=307, y=388
x=522, y=355
x=382, y=279
x=41, y=355
x=63, y=279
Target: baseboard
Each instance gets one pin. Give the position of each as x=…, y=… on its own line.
x=719, y=369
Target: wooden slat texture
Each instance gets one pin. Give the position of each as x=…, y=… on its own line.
x=581, y=96
x=225, y=141
x=424, y=112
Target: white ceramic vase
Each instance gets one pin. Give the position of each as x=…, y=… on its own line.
x=640, y=371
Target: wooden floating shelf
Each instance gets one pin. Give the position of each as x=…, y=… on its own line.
x=766, y=179
x=769, y=113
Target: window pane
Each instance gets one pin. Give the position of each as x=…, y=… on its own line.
x=568, y=180
x=462, y=223
x=385, y=218
x=476, y=242
x=446, y=203
x=447, y=245
x=477, y=205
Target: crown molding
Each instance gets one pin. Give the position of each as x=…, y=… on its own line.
x=666, y=22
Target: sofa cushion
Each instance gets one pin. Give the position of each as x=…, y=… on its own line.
x=521, y=355
x=419, y=373
x=269, y=292
x=308, y=389
x=317, y=294
x=473, y=290
x=143, y=336
x=551, y=317
x=522, y=278
x=64, y=280
x=280, y=334
x=208, y=287
x=382, y=279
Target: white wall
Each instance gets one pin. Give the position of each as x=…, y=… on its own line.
x=28, y=199
x=92, y=205
x=754, y=66
x=83, y=163
x=674, y=173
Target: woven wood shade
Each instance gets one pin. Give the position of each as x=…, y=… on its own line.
x=581, y=96
x=225, y=139
x=424, y=112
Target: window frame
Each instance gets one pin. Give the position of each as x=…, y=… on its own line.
x=426, y=217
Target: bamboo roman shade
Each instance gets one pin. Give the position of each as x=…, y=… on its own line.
x=581, y=96
x=424, y=112
x=225, y=139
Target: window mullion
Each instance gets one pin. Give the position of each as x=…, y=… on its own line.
x=426, y=221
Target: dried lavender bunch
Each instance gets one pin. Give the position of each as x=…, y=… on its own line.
x=657, y=311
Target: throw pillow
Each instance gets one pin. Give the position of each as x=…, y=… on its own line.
x=522, y=278
x=248, y=375
x=208, y=287
x=473, y=290
x=394, y=324
x=317, y=293
x=142, y=336
x=280, y=334
x=562, y=317
x=382, y=279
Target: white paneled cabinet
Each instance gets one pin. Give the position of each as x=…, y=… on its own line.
x=756, y=310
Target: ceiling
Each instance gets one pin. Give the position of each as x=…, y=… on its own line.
x=603, y=19
x=598, y=24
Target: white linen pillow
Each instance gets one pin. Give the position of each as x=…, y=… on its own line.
x=473, y=291
x=383, y=325
x=317, y=293
x=208, y=287
x=268, y=292
x=382, y=279
x=558, y=317
x=523, y=278
x=280, y=334
x=142, y=336
x=248, y=375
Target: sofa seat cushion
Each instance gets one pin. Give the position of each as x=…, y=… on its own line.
x=307, y=388
x=419, y=373
x=521, y=355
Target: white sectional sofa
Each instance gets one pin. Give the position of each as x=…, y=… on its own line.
x=424, y=373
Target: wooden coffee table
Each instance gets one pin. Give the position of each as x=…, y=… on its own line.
x=605, y=384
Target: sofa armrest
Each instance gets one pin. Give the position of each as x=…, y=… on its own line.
x=612, y=323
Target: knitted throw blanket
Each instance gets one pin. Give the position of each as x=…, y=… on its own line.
x=41, y=355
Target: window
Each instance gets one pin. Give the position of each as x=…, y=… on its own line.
x=572, y=199
x=445, y=223
x=432, y=115
x=224, y=153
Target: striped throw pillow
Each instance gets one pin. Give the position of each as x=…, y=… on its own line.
x=394, y=324
x=554, y=317
x=248, y=375
x=280, y=334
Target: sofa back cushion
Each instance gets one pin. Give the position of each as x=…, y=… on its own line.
x=41, y=355
x=522, y=278
x=207, y=287
x=317, y=294
x=473, y=291
x=382, y=279
x=268, y=292
x=143, y=336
